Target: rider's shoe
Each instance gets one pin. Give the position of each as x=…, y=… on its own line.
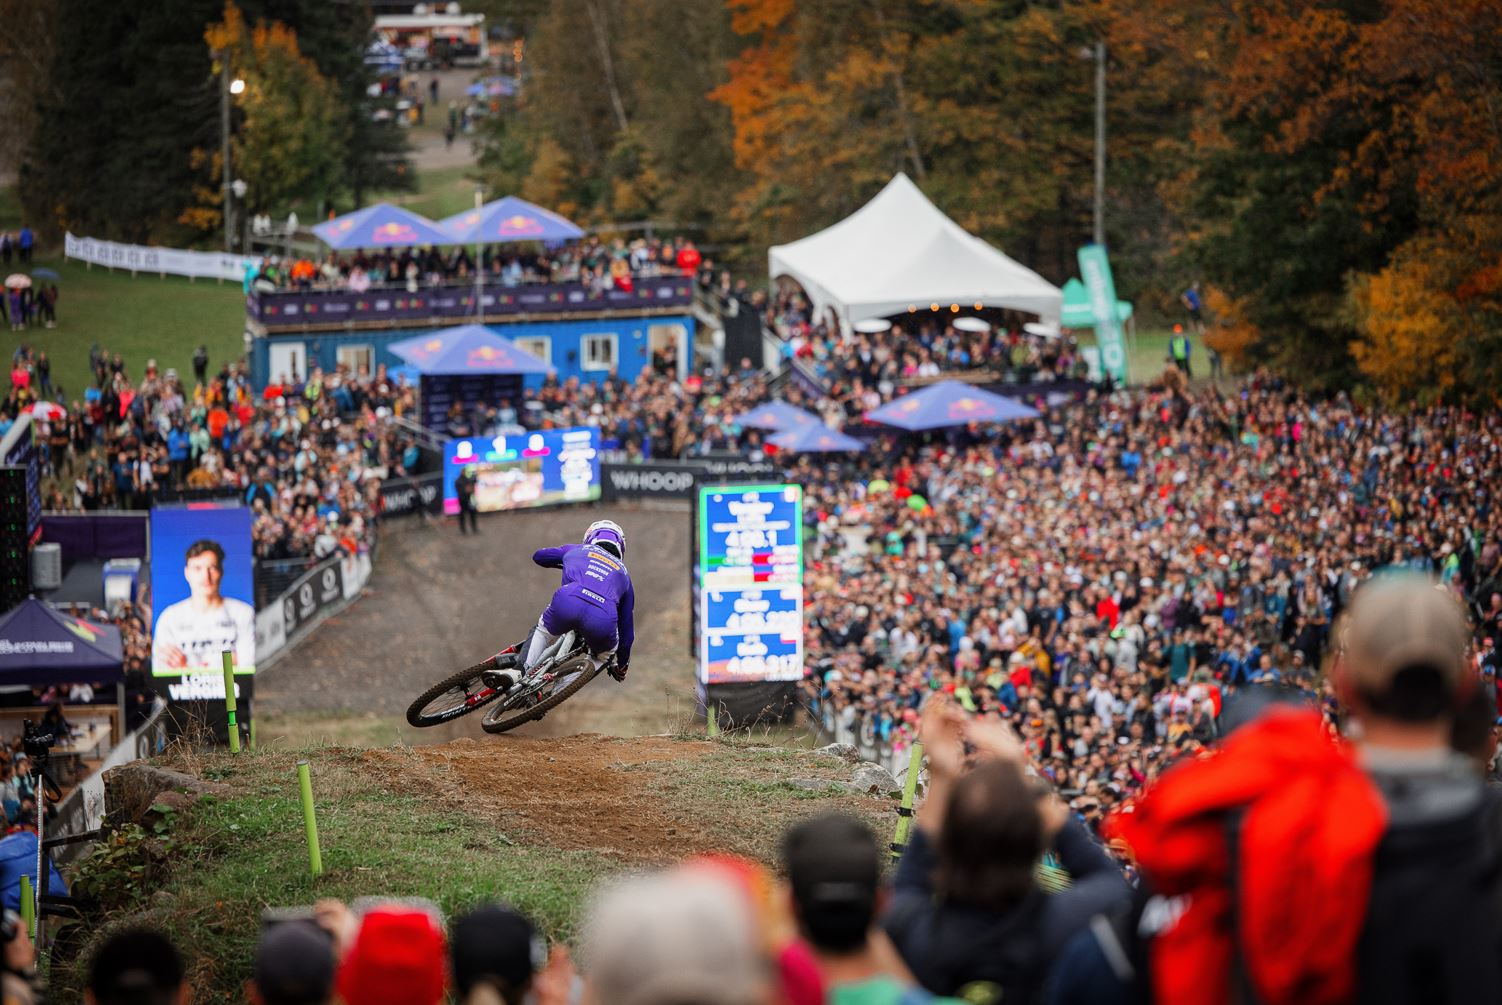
x=501, y=680
x=503, y=675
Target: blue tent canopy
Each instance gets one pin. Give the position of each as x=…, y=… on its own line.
x=778, y=415
x=471, y=349
x=949, y=403
x=817, y=439
x=509, y=219
x=380, y=226
x=39, y=645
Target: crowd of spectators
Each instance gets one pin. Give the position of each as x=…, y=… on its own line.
x=307, y=454
x=1102, y=577
x=1376, y=867
x=594, y=262
x=865, y=369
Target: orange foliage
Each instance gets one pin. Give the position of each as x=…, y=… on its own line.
x=1409, y=344
x=1229, y=332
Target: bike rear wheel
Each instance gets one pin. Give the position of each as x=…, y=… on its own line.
x=515, y=712
x=454, y=696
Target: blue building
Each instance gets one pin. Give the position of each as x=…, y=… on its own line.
x=581, y=333
x=584, y=349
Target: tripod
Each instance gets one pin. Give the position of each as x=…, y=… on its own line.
x=38, y=749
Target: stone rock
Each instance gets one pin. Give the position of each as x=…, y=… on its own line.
x=874, y=778
x=844, y=751
x=821, y=785
x=132, y=789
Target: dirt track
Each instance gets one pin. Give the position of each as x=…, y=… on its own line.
x=438, y=601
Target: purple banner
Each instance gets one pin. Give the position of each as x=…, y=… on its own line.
x=295, y=309
x=96, y=535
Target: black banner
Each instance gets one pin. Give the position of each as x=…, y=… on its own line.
x=322, y=587
x=676, y=479
x=405, y=496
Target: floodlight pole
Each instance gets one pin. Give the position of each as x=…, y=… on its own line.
x=1100, y=143
x=224, y=140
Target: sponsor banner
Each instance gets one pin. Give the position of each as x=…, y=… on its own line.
x=139, y=258
x=418, y=493
x=202, y=591
x=316, y=590
x=676, y=479
x=518, y=472
x=271, y=629
x=1095, y=271
x=294, y=308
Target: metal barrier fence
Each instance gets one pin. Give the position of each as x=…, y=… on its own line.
x=273, y=577
x=893, y=752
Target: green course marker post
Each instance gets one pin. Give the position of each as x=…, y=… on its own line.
x=310, y=819
x=28, y=908
x=905, y=811
x=229, y=701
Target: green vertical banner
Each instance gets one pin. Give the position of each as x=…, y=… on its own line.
x=1095, y=271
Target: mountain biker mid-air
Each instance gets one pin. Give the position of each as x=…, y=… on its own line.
x=596, y=600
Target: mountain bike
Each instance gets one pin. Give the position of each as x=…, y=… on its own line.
x=561, y=672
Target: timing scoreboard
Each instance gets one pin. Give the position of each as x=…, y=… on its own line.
x=750, y=583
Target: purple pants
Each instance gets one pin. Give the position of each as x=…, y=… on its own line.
x=570, y=610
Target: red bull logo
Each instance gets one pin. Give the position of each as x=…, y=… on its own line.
x=969, y=407
x=519, y=225
x=394, y=233
x=484, y=355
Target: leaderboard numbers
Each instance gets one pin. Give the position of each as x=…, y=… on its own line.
x=751, y=572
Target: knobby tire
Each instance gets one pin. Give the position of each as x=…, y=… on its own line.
x=500, y=724
x=414, y=711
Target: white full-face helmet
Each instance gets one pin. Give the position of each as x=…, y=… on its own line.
x=607, y=534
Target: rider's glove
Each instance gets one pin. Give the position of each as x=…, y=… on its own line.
x=619, y=672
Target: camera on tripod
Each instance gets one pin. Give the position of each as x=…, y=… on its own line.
x=36, y=744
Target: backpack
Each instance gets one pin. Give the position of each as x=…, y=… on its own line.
x=1434, y=921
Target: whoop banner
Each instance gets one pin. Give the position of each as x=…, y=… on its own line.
x=675, y=479
x=1095, y=271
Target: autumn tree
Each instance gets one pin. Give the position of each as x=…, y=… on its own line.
x=290, y=134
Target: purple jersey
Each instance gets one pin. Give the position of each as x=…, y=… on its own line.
x=596, y=593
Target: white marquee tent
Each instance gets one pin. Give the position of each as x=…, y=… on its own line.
x=899, y=251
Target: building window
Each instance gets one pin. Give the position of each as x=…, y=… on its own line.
x=598, y=351
x=540, y=346
x=357, y=359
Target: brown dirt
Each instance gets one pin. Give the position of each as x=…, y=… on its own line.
x=642, y=799
x=438, y=601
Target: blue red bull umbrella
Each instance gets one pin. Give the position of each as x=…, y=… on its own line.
x=509, y=219
x=817, y=439
x=778, y=415
x=949, y=403
x=469, y=349
x=381, y=226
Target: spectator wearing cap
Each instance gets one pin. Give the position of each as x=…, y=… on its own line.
x=833, y=867
x=496, y=953
x=137, y=966
x=294, y=965
x=396, y=956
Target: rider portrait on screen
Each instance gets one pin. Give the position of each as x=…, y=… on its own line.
x=596, y=600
